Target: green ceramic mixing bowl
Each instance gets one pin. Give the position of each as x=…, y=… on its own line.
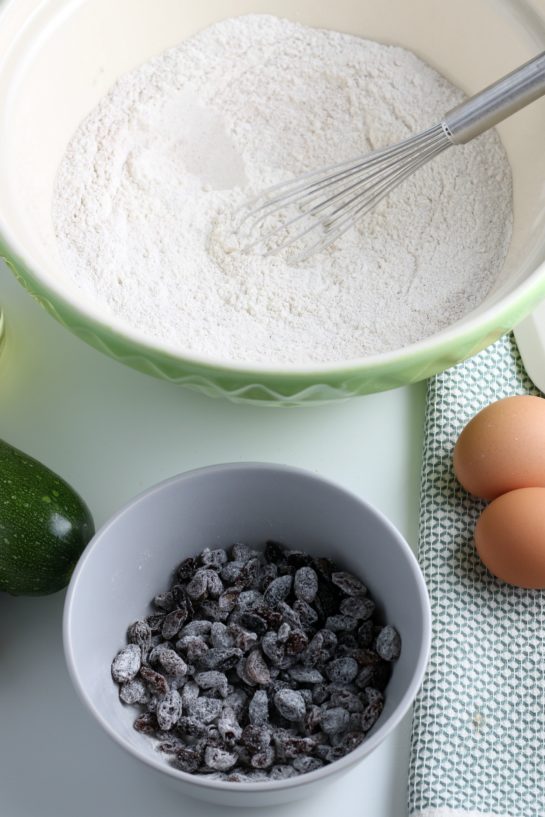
x=58, y=57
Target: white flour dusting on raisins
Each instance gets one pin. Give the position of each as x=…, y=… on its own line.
x=257, y=665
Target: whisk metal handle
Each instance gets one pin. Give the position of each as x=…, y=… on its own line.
x=495, y=103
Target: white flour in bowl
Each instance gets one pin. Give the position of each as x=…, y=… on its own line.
x=145, y=195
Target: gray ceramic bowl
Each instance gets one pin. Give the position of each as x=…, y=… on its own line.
x=130, y=560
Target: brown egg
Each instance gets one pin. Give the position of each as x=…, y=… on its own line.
x=510, y=537
x=503, y=448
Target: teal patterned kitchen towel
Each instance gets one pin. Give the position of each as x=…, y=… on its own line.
x=478, y=736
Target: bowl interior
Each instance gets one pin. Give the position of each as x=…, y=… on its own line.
x=132, y=557
x=59, y=57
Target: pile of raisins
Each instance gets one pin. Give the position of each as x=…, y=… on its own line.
x=257, y=665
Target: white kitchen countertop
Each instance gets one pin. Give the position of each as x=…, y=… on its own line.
x=111, y=432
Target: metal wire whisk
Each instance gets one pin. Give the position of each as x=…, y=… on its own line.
x=313, y=210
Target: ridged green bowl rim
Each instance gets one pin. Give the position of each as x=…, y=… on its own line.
x=247, y=382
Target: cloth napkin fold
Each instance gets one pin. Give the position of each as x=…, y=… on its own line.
x=478, y=734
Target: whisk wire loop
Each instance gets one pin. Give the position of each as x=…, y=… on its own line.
x=329, y=201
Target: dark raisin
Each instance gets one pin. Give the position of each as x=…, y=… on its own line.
x=371, y=714
x=181, y=598
x=372, y=695
x=307, y=615
x=146, y=723
x=192, y=727
x=281, y=772
x=126, y=664
x=290, y=704
x=305, y=584
x=296, y=642
x=254, y=623
x=312, y=720
x=365, y=677
x=359, y=607
x=272, y=617
x=289, y=746
x=214, y=680
x=351, y=740
x=218, y=658
x=231, y=571
x=155, y=622
x=256, y=669
x=206, y=710
x=154, y=654
x=190, y=693
x=342, y=670
x=214, y=584
x=258, y=709
x=171, y=663
x=256, y=737
x=347, y=641
x=164, y=601
x=324, y=567
x=228, y=600
x=186, y=569
x=274, y=552
x=155, y=681
x=330, y=641
x=306, y=675
x=346, y=699
x=237, y=701
x=243, y=639
x=365, y=634
x=263, y=759
x=133, y=692
x=169, y=710
x=272, y=648
x=306, y=764
x=249, y=575
x=320, y=693
x=350, y=585
x=210, y=609
x=289, y=615
x=381, y=675
x=278, y=591
x=267, y=574
x=198, y=586
x=249, y=599
x=340, y=623
x=170, y=746
x=196, y=627
x=140, y=633
x=219, y=759
x=173, y=623
x=283, y=632
x=241, y=552
x=220, y=636
x=213, y=558
x=315, y=651
x=334, y=720
x=388, y=643
x=329, y=598
x=297, y=558
x=194, y=647
x=228, y=727
x=188, y=759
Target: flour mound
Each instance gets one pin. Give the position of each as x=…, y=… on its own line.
x=145, y=195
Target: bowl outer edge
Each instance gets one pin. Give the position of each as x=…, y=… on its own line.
x=344, y=763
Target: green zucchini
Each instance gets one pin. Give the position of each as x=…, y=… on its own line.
x=44, y=526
